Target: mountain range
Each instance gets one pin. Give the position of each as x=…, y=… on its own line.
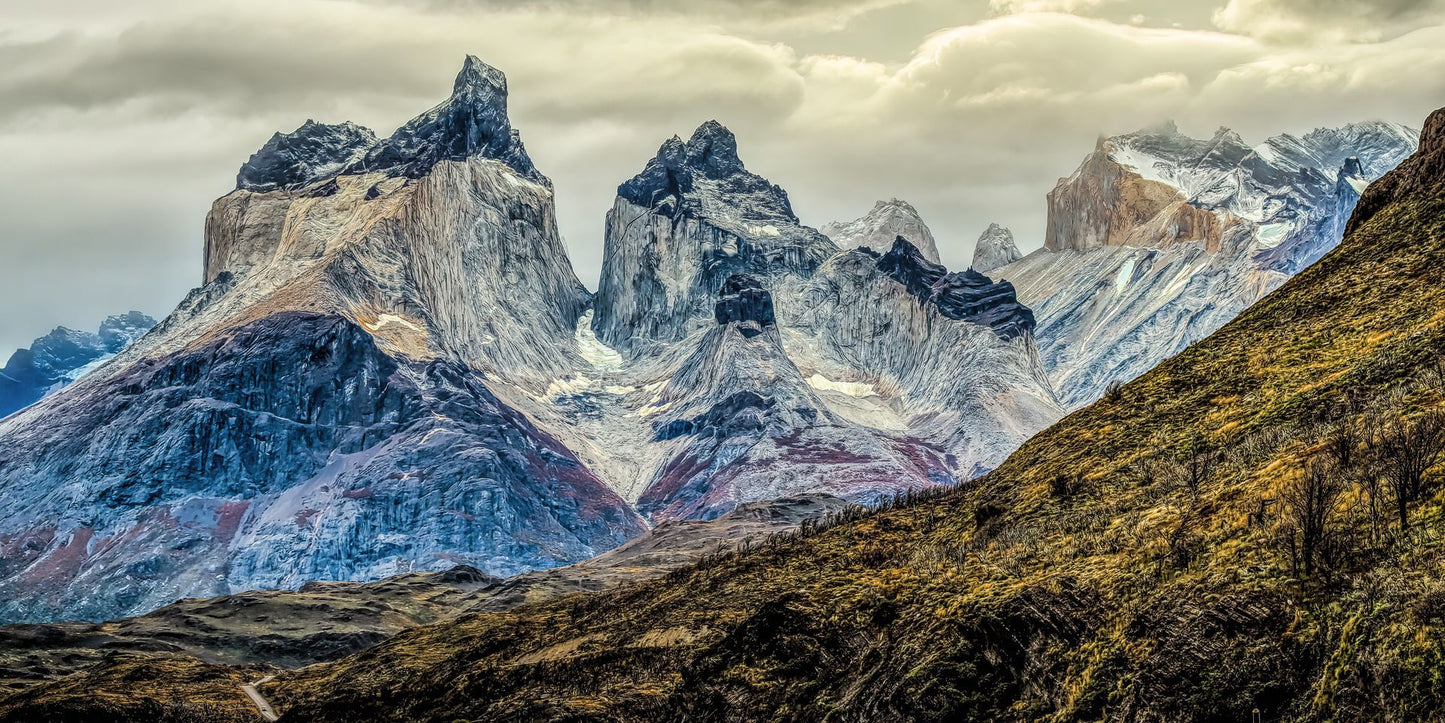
x=391, y=367
x=1215, y=540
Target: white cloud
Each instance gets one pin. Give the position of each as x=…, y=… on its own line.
x=1327, y=21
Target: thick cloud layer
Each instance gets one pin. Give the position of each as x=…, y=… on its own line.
x=120, y=122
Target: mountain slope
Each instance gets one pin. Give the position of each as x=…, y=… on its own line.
x=323, y=407
x=1104, y=572
x=1158, y=239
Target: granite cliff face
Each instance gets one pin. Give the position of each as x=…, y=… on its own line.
x=323, y=407
x=64, y=355
x=887, y=221
x=1158, y=239
x=692, y=218
x=391, y=367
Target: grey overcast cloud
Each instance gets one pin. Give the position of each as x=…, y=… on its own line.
x=121, y=122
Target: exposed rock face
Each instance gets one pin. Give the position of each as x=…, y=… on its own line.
x=1159, y=239
x=64, y=355
x=995, y=249
x=887, y=221
x=744, y=424
x=765, y=362
x=311, y=153
x=324, y=407
x=691, y=219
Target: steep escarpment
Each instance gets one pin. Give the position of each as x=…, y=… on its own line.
x=1136, y=556
x=1158, y=239
x=692, y=218
x=742, y=423
x=323, y=407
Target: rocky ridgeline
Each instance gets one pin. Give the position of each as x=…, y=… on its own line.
x=966, y=296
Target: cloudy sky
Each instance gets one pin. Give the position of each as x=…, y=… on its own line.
x=121, y=122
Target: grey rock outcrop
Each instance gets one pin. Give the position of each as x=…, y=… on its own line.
x=994, y=249
x=694, y=217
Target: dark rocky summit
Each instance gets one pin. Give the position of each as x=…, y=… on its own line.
x=743, y=299
x=304, y=156
x=473, y=122
x=669, y=184
x=966, y=296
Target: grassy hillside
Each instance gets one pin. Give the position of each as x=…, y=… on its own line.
x=1221, y=535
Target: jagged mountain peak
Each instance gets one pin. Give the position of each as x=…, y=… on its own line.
x=474, y=121
x=888, y=220
x=713, y=149
x=688, y=177
x=995, y=249
x=481, y=80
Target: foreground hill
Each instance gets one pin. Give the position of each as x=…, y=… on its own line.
x=1142, y=560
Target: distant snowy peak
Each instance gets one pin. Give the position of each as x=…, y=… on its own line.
x=995, y=249
x=887, y=221
x=1378, y=145
x=472, y=122
x=966, y=296
x=64, y=355
x=1158, y=187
